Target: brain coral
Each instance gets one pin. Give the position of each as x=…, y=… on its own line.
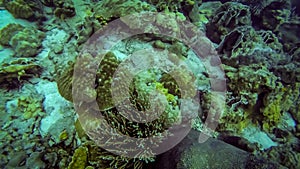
x=25, y=41
x=19, y=9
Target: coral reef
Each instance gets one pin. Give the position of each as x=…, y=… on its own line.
x=14, y=71
x=79, y=158
x=258, y=44
x=172, y=5
x=25, y=41
x=19, y=9
x=7, y=32
x=118, y=8
x=261, y=101
x=244, y=45
x=21, y=112
x=227, y=17
x=64, y=9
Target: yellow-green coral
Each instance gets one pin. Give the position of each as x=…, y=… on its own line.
x=12, y=72
x=107, y=68
x=276, y=103
x=30, y=105
x=79, y=158
x=259, y=98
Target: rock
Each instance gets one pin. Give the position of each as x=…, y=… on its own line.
x=34, y=161
x=18, y=157
x=59, y=114
x=213, y=154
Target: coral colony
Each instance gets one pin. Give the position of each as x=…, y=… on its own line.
x=76, y=85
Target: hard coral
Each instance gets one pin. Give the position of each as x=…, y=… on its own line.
x=27, y=42
x=24, y=41
x=228, y=17
x=13, y=72
x=19, y=9
x=118, y=8
x=79, y=158
x=7, y=32
x=259, y=97
x=171, y=5
x=244, y=45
